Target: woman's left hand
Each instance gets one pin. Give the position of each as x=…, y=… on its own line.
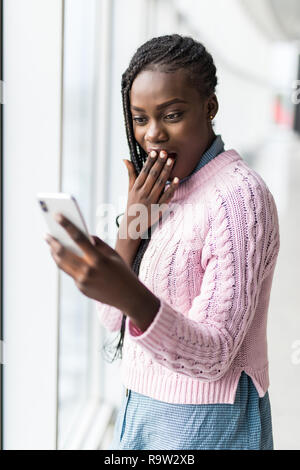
x=101, y=273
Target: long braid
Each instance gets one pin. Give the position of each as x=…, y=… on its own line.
x=167, y=53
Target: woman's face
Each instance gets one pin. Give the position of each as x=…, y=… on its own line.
x=169, y=114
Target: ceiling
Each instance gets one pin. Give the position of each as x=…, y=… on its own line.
x=277, y=19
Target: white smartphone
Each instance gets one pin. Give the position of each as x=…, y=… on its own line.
x=65, y=204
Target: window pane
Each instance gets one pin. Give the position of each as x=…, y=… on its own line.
x=77, y=167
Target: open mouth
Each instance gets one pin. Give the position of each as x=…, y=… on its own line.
x=172, y=154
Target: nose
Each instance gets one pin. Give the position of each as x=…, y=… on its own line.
x=155, y=132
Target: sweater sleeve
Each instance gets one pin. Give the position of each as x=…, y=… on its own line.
x=240, y=249
x=110, y=317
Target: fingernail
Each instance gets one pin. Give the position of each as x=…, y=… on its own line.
x=153, y=154
x=58, y=218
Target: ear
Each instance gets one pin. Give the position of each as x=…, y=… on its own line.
x=212, y=107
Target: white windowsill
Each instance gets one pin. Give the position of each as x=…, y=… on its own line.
x=91, y=426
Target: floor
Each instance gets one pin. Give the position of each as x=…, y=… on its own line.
x=279, y=164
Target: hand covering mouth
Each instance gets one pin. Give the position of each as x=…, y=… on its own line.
x=170, y=154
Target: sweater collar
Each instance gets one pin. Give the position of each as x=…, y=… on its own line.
x=208, y=171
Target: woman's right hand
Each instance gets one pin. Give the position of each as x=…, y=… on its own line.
x=148, y=188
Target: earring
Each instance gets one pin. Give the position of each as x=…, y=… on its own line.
x=211, y=117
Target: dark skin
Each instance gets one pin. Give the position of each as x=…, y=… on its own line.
x=185, y=128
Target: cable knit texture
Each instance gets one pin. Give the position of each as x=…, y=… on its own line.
x=211, y=263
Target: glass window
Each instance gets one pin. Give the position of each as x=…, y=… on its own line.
x=76, y=310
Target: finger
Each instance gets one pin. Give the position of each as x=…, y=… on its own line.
x=144, y=174
x=162, y=178
x=106, y=250
x=66, y=260
x=79, y=238
x=131, y=173
x=157, y=177
x=95, y=239
x=169, y=192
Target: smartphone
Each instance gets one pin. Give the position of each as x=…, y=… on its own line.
x=65, y=204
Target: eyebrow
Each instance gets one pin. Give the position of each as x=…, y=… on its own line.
x=163, y=105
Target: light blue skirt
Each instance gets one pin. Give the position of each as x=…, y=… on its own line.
x=145, y=423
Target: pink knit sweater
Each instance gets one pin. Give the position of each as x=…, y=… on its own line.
x=211, y=263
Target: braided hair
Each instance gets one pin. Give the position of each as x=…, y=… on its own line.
x=165, y=53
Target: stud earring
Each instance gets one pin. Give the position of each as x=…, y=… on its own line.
x=211, y=117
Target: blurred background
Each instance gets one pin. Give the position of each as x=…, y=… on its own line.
x=63, y=130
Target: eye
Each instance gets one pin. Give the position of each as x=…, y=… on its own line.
x=138, y=120
x=173, y=116
x=170, y=117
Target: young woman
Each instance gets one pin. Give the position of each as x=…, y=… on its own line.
x=191, y=299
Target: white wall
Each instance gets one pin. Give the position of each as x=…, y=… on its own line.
x=32, y=75
x=242, y=55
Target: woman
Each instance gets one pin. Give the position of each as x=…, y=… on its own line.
x=191, y=298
